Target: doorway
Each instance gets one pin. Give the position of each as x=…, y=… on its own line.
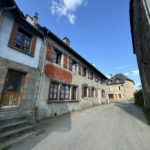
x=12, y=90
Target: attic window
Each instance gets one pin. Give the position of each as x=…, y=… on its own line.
x=118, y=80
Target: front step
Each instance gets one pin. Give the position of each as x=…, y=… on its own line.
x=14, y=133
x=7, y=120
x=13, y=125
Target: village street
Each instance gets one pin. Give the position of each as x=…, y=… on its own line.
x=116, y=126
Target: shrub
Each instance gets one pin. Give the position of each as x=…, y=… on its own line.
x=138, y=96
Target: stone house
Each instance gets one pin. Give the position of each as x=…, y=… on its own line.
x=120, y=87
x=40, y=74
x=140, y=32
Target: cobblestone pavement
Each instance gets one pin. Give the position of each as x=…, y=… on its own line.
x=116, y=126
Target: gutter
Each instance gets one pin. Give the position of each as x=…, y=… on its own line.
x=42, y=71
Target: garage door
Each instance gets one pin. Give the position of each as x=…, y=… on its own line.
x=111, y=97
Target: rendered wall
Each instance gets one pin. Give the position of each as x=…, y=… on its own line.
x=12, y=54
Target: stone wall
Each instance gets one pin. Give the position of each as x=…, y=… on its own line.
x=113, y=89
x=141, y=39
x=129, y=89
x=30, y=88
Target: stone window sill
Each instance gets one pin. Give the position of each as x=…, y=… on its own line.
x=70, y=101
x=19, y=50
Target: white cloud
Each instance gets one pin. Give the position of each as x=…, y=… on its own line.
x=138, y=85
x=125, y=66
x=126, y=74
x=66, y=8
x=135, y=73
x=108, y=76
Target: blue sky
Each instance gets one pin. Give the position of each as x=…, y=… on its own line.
x=99, y=30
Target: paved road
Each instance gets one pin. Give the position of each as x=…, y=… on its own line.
x=116, y=126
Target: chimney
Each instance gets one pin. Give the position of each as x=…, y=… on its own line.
x=35, y=19
x=111, y=76
x=66, y=40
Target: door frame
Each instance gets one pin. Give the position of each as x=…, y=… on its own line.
x=21, y=88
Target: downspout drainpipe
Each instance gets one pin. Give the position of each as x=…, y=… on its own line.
x=37, y=102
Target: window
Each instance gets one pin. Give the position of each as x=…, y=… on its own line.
x=119, y=88
x=109, y=82
x=119, y=95
x=23, y=40
x=103, y=93
x=74, y=66
x=74, y=93
x=65, y=91
x=53, y=91
x=118, y=80
x=92, y=92
x=56, y=57
x=92, y=76
x=84, y=72
x=85, y=91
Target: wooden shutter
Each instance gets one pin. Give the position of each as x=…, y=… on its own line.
x=79, y=68
x=89, y=91
x=60, y=91
x=82, y=90
x=34, y=39
x=71, y=92
x=96, y=92
x=70, y=63
x=50, y=51
x=89, y=74
x=82, y=70
x=13, y=33
x=65, y=60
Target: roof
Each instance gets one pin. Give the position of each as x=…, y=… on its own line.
x=42, y=31
x=119, y=76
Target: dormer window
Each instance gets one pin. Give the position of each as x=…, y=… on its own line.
x=118, y=81
x=109, y=81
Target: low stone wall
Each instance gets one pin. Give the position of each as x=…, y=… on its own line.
x=51, y=109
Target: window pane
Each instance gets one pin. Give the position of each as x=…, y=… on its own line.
x=67, y=87
x=55, y=90
x=26, y=44
x=18, y=39
x=58, y=58
x=62, y=91
x=54, y=95
x=51, y=95
x=66, y=96
x=51, y=84
x=62, y=95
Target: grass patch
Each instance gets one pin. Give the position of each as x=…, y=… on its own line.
x=6, y=147
x=41, y=132
x=37, y=121
x=147, y=114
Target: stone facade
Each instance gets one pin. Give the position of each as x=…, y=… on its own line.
x=51, y=108
x=140, y=30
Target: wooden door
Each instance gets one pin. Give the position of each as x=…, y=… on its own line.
x=116, y=97
x=13, y=88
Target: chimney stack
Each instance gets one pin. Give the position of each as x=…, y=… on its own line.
x=35, y=19
x=66, y=40
x=111, y=76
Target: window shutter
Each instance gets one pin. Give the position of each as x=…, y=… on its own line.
x=96, y=92
x=82, y=70
x=70, y=63
x=72, y=93
x=88, y=74
x=13, y=33
x=50, y=51
x=34, y=39
x=79, y=69
x=65, y=60
x=82, y=90
x=60, y=91
x=89, y=91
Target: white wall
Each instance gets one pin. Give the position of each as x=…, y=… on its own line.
x=12, y=54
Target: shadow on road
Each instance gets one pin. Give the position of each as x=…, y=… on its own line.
x=131, y=109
